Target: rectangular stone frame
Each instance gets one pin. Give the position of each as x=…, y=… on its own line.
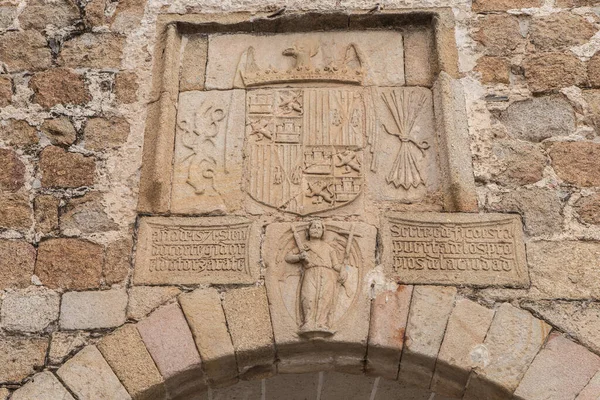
x=449, y=105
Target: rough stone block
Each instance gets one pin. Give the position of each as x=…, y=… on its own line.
x=552, y=71
x=15, y=211
x=103, y=133
x=30, y=310
x=197, y=250
x=385, y=61
x=522, y=163
x=206, y=318
x=249, y=322
x=389, y=315
x=207, y=170
x=38, y=14
x=127, y=355
x=577, y=162
x=21, y=357
x=117, y=262
x=93, y=310
x=504, y=5
x=560, y=31
x=194, y=63
x=17, y=260
x=58, y=86
x=89, y=377
x=145, y=299
x=18, y=133
x=429, y=312
x=69, y=264
x=86, y=214
x=514, y=338
x=66, y=343
x=593, y=70
x=126, y=87
x=12, y=174
x=25, y=50
x=92, y=50
x=419, y=56
x=493, y=70
x=306, y=296
x=588, y=209
x=499, y=34
x=169, y=341
x=5, y=90
x=461, y=348
x=62, y=169
x=560, y=370
x=60, y=131
x=43, y=386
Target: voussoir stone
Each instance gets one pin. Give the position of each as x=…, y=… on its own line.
x=126, y=353
x=30, y=310
x=65, y=169
x=539, y=118
x=43, y=386
x=577, y=162
x=69, y=263
x=144, y=299
x=93, y=50
x=590, y=392
x=169, y=341
x=205, y=315
x=93, y=309
x=560, y=31
x=25, y=50
x=66, y=343
x=21, y=357
x=17, y=260
x=89, y=377
x=59, y=86
x=460, y=351
x=12, y=173
x=560, y=370
x=553, y=70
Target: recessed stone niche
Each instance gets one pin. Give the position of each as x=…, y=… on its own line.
x=308, y=136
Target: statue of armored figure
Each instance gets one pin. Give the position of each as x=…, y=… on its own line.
x=322, y=274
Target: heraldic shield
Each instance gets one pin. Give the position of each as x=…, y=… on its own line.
x=305, y=147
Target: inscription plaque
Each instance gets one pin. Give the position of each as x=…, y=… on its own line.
x=197, y=250
x=471, y=249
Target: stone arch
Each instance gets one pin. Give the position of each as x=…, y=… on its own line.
x=202, y=345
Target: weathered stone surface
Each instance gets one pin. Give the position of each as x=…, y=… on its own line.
x=21, y=357
x=293, y=387
x=25, y=50
x=45, y=209
x=130, y=361
x=60, y=131
x=461, y=348
x=89, y=377
x=419, y=57
x=206, y=318
x=144, y=299
x=539, y=118
x=40, y=13
x=69, y=264
x=541, y=209
x=514, y=338
x=590, y=392
x=493, y=70
x=504, y=5
x=15, y=211
x=12, y=173
x=43, y=386
x=86, y=215
x=95, y=13
x=523, y=163
x=560, y=31
x=580, y=318
x=241, y=390
x=575, y=3
x=392, y=390
x=103, y=133
x=58, y=85
x=429, y=312
x=5, y=90
x=593, y=70
x=126, y=87
x=385, y=61
x=549, y=277
x=592, y=98
x=170, y=343
x=588, y=209
x=117, y=260
x=93, y=310
x=8, y=13
x=194, y=63
x=128, y=15
x=30, y=310
x=339, y=314
x=93, y=50
x=577, y=162
x=499, y=34
x=343, y=386
x=160, y=241
x=551, y=71
x=559, y=371
x=249, y=322
x=65, y=169
x=17, y=259
x=389, y=314
x=18, y=133
x=410, y=255
x=208, y=166
x=64, y=344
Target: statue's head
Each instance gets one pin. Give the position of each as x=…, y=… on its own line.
x=316, y=229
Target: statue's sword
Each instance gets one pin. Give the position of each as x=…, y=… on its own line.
x=297, y=239
x=347, y=254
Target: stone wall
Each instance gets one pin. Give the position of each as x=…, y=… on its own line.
x=75, y=87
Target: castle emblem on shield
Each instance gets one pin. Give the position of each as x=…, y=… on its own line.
x=305, y=141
